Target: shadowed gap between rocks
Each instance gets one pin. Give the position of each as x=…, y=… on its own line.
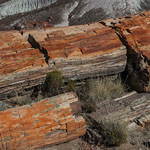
x=133, y=72
x=36, y=45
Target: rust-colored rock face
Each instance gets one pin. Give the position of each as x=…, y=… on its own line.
x=48, y=122
x=77, y=51
x=134, y=32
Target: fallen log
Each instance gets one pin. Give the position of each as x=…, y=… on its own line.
x=134, y=33
x=48, y=122
x=132, y=108
x=77, y=51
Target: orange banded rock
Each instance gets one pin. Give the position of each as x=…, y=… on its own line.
x=48, y=122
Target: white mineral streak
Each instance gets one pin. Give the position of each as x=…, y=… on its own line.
x=20, y=6
x=111, y=7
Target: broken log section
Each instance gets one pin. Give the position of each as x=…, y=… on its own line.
x=134, y=32
x=77, y=51
x=50, y=121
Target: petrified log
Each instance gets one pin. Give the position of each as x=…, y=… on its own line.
x=134, y=32
x=50, y=121
x=132, y=109
x=77, y=51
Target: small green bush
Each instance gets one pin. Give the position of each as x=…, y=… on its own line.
x=71, y=86
x=114, y=133
x=53, y=83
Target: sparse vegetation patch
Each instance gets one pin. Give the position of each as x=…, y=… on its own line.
x=114, y=132
x=53, y=83
x=98, y=90
x=105, y=88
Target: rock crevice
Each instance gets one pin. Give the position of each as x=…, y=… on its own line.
x=36, y=45
x=133, y=32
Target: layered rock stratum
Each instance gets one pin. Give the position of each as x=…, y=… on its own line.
x=83, y=51
x=134, y=34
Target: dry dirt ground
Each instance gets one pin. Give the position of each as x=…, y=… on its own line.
x=80, y=144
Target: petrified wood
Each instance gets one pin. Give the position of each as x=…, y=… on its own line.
x=51, y=121
x=134, y=32
x=77, y=51
x=132, y=108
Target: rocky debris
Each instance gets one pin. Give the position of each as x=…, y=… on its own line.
x=131, y=109
x=79, y=52
x=134, y=33
x=48, y=122
x=32, y=25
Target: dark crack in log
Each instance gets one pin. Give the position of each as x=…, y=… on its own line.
x=134, y=33
x=36, y=45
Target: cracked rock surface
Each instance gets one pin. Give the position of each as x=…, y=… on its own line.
x=49, y=122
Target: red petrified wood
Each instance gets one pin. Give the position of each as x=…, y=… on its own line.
x=77, y=51
x=51, y=121
x=134, y=32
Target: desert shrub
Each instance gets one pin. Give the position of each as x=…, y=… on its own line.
x=114, y=133
x=22, y=101
x=105, y=88
x=93, y=91
x=53, y=83
x=71, y=86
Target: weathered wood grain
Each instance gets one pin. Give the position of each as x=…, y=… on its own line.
x=134, y=32
x=77, y=51
x=132, y=108
x=51, y=121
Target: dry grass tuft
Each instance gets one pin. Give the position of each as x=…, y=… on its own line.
x=105, y=88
